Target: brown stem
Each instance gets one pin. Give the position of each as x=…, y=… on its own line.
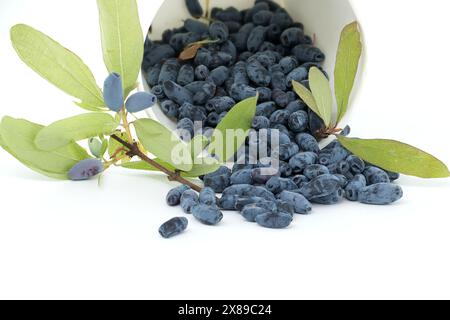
x=173, y=176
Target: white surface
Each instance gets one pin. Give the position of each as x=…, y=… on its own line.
x=75, y=240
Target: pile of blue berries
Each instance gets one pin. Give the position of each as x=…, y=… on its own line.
x=260, y=50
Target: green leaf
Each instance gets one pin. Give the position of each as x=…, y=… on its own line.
x=58, y=65
x=231, y=132
x=320, y=88
x=164, y=144
x=306, y=96
x=18, y=139
x=197, y=169
x=122, y=39
x=76, y=128
x=347, y=61
x=397, y=157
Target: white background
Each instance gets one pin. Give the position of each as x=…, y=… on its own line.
x=76, y=240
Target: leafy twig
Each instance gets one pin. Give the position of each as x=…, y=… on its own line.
x=173, y=176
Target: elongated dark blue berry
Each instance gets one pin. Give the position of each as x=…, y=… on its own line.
x=140, y=101
x=274, y=220
x=173, y=227
x=177, y=93
x=86, y=169
x=251, y=211
x=321, y=186
x=299, y=202
x=375, y=175
x=113, y=92
x=194, y=8
x=277, y=185
x=354, y=187
x=188, y=200
x=174, y=196
x=207, y=196
x=380, y=194
x=209, y=215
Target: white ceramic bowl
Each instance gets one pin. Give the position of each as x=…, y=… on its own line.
x=324, y=18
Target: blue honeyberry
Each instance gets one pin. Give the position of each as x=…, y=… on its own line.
x=140, y=101
x=346, y=131
x=315, y=170
x=265, y=109
x=262, y=18
x=251, y=211
x=274, y=220
x=267, y=46
x=242, y=177
x=194, y=8
x=152, y=75
x=278, y=81
x=241, y=92
x=292, y=37
x=169, y=71
x=299, y=180
x=218, y=31
x=219, y=180
x=307, y=53
x=186, y=75
x=298, y=74
x=173, y=227
x=380, y=194
x=207, y=196
x=288, y=64
x=85, y=170
x=273, y=33
x=343, y=180
x=307, y=142
x=300, y=204
x=180, y=40
x=282, y=19
x=277, y=185
x=354, y=187
x=287, y=151
x=170, y=108
x=228, y=202
x=256, y=38
x=375, y=175
x=219, y=75
x=158, y=91
x=229, y=14
x=188, y=200
x=233, y=26
x=330, y=199
x=262, y=175
x=201, y=72
x=196, y=26
x=185, y=129
x=242, y=202
x=280, y=117
x=212, y=119
x=321, y=186
x=174, y=196
x=298, y=121
x=265, y=94
x=195, y=113
x=220, y=104
x=316, y=124
x=393, y=175
x=159, y=53
x=285, y=207
x=285, y=169
x=177, y=93
x=260, y=122
x=208, y=215
x=301, y=160
x=332, y=155
x=296, y=105
x=260, y=6
x=113, y=92
x=356, y=164
x=258, y=73
x=241, y=38
x=239, y=73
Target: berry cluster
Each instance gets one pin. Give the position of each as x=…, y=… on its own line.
x=257, y=51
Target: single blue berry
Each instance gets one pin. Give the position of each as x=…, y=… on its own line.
x=208, y=215
x=140, y=101
x=113, y=92
x=85, y=169
x=173, y=227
